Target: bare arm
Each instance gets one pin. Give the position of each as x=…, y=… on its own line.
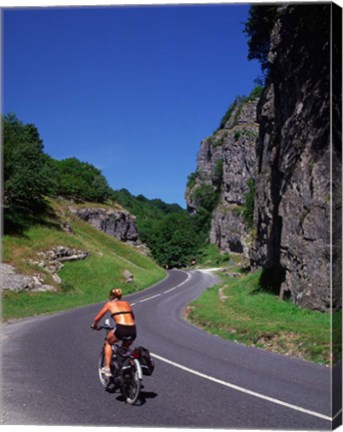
x=99, y=316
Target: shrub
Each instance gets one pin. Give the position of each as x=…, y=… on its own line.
x=217, y=174
x=248, y=212
x=191, y=181
x=205, y=196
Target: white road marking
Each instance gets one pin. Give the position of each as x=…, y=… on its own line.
x=150, y=298
x=186, y=280
x=163, y=292
x=244, y=390
x=169, y=290
x=224, y=383
x=177, y=286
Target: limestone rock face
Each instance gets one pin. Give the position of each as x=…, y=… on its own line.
x=10, y=280
x=284, y=146
x=51, y=261
x=225, y=163
x=293, y=179
x=117, y=223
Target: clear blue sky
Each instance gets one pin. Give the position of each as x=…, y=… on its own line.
x=131, y=90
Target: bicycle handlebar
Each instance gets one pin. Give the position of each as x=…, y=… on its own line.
x=102, y=328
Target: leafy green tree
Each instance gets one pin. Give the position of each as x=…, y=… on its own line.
x=201, y=223
x=260, y=23
x=27, y=169
x=205, y=196
x=149, y=213
x=174, y=242
x=80, y=181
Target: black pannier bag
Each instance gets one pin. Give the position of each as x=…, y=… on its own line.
x=146, y=361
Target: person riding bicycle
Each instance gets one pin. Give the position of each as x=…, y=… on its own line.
x=125, y=329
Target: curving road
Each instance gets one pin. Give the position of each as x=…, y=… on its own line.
x=50, y=376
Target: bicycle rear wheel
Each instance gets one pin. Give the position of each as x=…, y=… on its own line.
x=131, y=385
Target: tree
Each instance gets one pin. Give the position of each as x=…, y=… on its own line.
x=149, y=213
x=27, y=169
x=260, y=23
x=174, y=242
x=80, y=181
x=206, y=196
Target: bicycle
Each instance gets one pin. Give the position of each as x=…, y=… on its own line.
x=126, y=369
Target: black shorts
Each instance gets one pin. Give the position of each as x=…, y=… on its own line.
x=125, y=332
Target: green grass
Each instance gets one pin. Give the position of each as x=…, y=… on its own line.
x=84, y=282
x=211, y=256
x=239, y=311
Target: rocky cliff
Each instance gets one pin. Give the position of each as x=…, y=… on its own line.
x=117, y=223
x=293, y=179
x=288, y=155
x=226, y=161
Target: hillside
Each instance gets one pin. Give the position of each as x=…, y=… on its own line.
x=82, y=282
x=148, y=212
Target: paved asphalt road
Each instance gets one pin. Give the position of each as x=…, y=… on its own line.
x=50, y=376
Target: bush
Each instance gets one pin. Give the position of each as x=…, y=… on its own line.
x=217, y=175
x=191, y=180
x=238, y=101
x=205, y=196
x=248, y=211
x=256, y=93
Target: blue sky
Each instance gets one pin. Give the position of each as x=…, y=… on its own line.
x=131, y=90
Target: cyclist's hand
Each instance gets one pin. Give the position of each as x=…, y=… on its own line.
x=94, y=327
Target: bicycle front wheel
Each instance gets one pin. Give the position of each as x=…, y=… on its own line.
x=104, y=380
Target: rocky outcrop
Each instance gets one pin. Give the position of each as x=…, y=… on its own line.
x=210, y=159
x=117, y=223
x=51, y=261
x=225, y=163
x=13, y=281
x=293, y=180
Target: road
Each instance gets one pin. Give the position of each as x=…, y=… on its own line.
x=50, y=376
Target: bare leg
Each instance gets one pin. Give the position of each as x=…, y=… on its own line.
x=110, y=340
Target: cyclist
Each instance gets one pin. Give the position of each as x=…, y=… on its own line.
x=125, y=329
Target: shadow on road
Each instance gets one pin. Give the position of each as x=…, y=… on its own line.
x=142, y=398
x=144, y=395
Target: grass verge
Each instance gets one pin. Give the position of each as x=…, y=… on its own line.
x=83, y=282
x=239, y=311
